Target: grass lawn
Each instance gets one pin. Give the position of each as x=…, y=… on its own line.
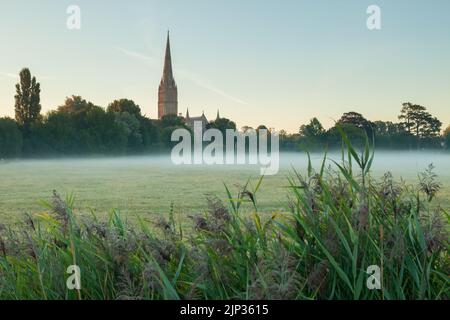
x=146, y=186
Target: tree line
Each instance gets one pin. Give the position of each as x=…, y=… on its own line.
x=416, y=129
x=79, y=127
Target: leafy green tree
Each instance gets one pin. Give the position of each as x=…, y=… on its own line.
x=312, y=130
x=80, y=127
x=27, y=99
x=358, y=120
x=312, y=135
x=355, y=134
x=167, y=125
x=391, y=135
x=131, y=126
x=125, y=105
x=75, y=105
x=447, y=137
x=11, y=140
x=283, y=134
x=172, y=121
x=382, y=128
x=289, y=142
x=166, y=136
x=222, y=124
x=150, y=134
x=262, y=127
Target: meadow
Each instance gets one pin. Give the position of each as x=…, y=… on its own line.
x=149, y=186
x=339, y=223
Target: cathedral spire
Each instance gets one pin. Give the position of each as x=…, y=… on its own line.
x=167, y=92
x=218, y=115
x=187, y=114
x=168, y=73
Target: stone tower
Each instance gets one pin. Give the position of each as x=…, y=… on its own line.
x=168, y=92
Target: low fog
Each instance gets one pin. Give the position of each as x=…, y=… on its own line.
x=148, y=185
x=400, y=163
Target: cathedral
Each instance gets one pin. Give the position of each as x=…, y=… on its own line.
x=168, y=93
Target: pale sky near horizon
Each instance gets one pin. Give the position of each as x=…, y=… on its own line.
x=277, y=63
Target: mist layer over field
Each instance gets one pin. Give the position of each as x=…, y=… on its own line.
x=147, y=185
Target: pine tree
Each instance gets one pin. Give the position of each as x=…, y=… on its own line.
x=419, y=122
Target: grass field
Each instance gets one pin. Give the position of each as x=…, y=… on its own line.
x=340, y=225
x=146, y=186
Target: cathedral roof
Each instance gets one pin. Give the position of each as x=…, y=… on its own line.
x=201, y=118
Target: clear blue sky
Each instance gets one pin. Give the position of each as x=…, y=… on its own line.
x=277, y=63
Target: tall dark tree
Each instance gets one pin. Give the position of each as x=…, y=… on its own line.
x=75, y=105
x=131, y=126
x=420, y=123
x=262, y=127
x=222, y=124
x=172, y=121
x=313, y=129
x=387, y=128
x=312, y=135
x=447, y=137
x=391, y=135
x=246, y=128
x=125, y=105
x=27, y=99
x=355, y=134
x=10, y=139
x=150, y=134
x=358, y=120
x=411, y=116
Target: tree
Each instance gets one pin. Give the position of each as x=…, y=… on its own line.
x=447, y=137
x=355, y=134
x=357, y=119
x=150, y=133
x=391, y=135
x=222, y=124
x=80, y=127
x=27, y=99
x=418, y=122
x=131, y=126
x=313, y=129
x=387, y=128
x=11, y=140
x=172, y=120
x=76, y=105
x=312, y=135
x=431, y=127
x=125, y=105
x=411, y=114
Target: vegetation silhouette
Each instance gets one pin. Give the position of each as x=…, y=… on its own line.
x=81, y=128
